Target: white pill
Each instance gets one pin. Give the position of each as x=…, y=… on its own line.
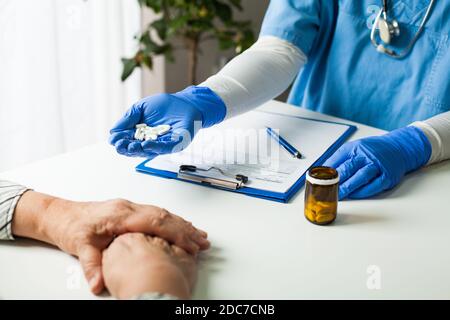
x=151, y=130
x=141, y=125
x=163, y=129
x=139, y=135
x=152, y=137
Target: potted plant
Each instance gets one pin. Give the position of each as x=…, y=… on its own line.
x=191, y=22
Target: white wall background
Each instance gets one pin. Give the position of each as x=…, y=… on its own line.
x=60, y=72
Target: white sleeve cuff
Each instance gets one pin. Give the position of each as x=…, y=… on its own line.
x=437, y=130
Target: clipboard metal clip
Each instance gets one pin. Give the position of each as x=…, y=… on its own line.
x=191, y=173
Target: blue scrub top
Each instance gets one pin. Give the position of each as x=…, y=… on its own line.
x=346, y=77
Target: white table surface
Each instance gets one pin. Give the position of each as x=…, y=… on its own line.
x=261, y=249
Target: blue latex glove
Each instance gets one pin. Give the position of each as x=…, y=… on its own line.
x=371, y=165
x=186, y=112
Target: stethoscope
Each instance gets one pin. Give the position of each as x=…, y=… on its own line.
x=389, y=29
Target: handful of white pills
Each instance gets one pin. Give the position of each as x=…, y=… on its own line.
x=144, y=132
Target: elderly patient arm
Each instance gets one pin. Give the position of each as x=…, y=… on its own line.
x=85, y=229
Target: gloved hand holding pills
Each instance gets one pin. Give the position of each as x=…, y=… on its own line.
x=166, y=123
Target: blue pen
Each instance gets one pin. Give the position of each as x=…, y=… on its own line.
x=286, y=145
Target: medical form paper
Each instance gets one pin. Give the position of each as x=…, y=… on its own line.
x=241, y=145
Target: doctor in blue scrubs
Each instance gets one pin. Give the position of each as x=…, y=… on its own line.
x=384, y=63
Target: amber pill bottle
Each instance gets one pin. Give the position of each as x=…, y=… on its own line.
x=321, y=195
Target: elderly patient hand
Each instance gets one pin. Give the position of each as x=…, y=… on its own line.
x=85, y=229
x=135, y=264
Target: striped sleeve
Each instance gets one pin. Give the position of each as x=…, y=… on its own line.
x=9, y=196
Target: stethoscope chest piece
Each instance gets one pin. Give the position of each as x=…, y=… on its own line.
x=388, y=30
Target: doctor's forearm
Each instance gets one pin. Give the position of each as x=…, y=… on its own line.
x=258, y=75
x=437, y=130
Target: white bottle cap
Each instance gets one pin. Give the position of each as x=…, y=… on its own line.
x=321, y=182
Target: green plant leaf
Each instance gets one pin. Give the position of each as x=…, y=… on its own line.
x=147, y=41
x=225, y=41
x=176, y=25
x=156, y=5
x=148, y=62
x=200, y=25
x=168, y=54
x=161, y=28
x=128, y=67
x=223, y=11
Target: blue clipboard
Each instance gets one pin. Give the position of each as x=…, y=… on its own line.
x=258, y=193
